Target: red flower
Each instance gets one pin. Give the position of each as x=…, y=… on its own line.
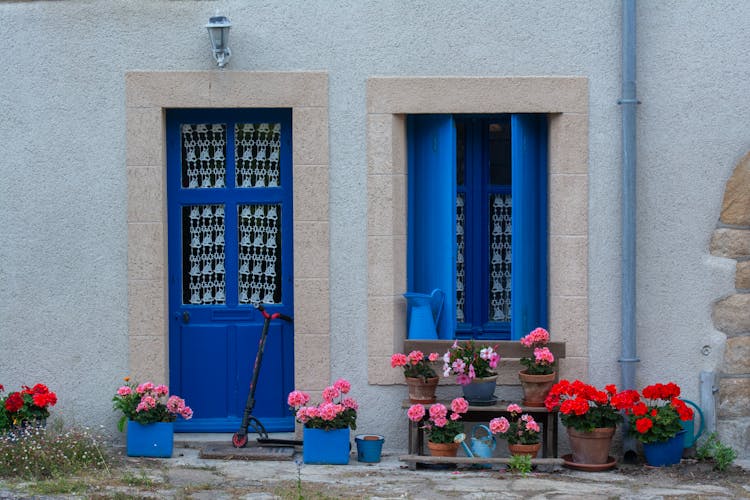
x=611, y=389
x=44, y=399
x=40, y=389
x=640, y=409
x=14, y=402
x=643, y=425
x=2, y=388
x=654, y=412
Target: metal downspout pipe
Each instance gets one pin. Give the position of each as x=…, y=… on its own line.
x=628, y=102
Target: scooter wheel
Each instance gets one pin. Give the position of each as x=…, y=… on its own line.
x=239, y=441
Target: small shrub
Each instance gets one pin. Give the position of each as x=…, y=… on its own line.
x=520, y=463
x=713, y=449
x=35, y=453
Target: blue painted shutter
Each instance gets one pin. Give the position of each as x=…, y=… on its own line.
x=529, y=244
x=432, y=212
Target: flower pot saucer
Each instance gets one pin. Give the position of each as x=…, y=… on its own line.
x=568, y=462
x=482, y=402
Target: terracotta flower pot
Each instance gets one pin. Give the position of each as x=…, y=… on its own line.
x=535, y=387
x=524, y=449
x=591, y=447
x=421, y=391
x=443, y=449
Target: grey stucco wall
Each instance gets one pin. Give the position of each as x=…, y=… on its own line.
x=63, y=194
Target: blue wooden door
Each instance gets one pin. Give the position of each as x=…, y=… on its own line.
x=229, y=191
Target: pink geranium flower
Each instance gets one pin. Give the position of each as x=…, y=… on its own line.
x=297, y=399
x=499, y=425
x=342, y=385
x=416, y=412
x=334, y=412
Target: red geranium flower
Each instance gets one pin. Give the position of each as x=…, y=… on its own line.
x=14, y=402
x=642, y=425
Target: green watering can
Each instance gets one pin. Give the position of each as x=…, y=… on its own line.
x=691, y=436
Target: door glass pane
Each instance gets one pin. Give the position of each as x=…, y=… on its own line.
x=203, y=254
x=204, y=148
x=460, y=153
x=460, y=269
x=500, y=257
x=499, y=151
x=259, y=253
x=257, y=146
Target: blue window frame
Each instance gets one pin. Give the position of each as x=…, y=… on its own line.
x=478, y=221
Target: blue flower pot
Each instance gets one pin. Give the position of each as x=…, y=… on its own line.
x=325, y=447
x=369, y=447
x=150, y=440
x=667, y=452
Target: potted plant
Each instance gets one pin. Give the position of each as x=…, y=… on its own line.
x=591, y=416
x=440, y=425
x=420, y=376
x=655, y=421
x=327, y=424
x=521, y=431
x=539, y=375
x=473, y=365
x=149, y=411
x=29, y=406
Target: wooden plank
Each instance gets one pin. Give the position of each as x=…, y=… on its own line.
x=508, y=349
x=474, y=460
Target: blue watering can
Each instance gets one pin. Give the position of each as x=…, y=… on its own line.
x=690, y=435
x=482, y=446
x=424, y=313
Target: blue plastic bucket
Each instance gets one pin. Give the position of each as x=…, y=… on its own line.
x=369, y=447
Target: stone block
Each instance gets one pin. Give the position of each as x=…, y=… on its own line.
x=730, y=243
x=735, y=433
x=731, y=314
x=737, y=355
x=734, y=397
x=735, y=209
x=742, y=275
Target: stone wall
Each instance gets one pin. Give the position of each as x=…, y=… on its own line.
x=731, y=314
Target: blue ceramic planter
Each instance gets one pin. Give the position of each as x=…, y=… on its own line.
x=665, y=452
x=325, y=447
x=150, y=440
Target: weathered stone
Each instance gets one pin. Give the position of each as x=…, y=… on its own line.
x=742, y=275
x=737, y=355
x=735, y=433
x=735, y=209
x=732, y=314
x=734, y=397
x=731, y=243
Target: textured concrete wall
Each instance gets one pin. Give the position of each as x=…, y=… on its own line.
x=63, y=191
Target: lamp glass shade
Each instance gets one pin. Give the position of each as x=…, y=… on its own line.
x=218, y=30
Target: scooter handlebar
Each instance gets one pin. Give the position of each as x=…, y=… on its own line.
x=274, y=315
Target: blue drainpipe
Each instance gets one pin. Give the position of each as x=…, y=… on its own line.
x=629, y=101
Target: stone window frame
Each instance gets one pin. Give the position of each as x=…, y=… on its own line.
x=148, y=95
x=565, y=100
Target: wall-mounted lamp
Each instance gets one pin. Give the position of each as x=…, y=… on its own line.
x=218, y=31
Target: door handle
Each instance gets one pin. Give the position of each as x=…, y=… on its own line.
x=185, y=317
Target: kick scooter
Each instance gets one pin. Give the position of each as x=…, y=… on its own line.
x=239, y=439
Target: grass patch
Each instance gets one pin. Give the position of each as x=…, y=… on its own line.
x=140, y=481
x=59, y=486
x=36, y=453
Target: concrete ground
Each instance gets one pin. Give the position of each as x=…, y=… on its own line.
x=219, y=479
x=186, y=475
